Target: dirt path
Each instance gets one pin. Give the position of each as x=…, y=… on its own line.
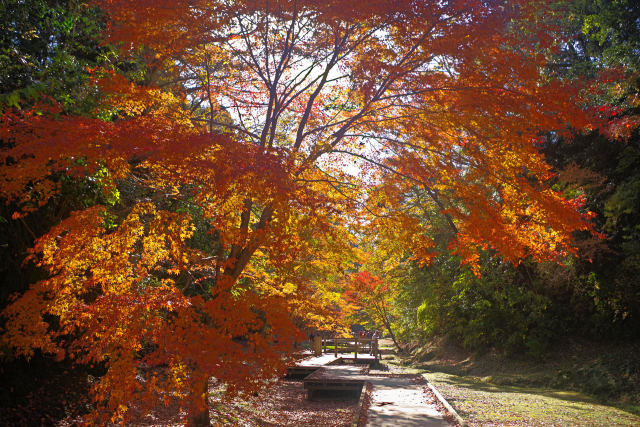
x=401, y=401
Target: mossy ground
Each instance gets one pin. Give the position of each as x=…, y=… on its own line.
x=581, y=385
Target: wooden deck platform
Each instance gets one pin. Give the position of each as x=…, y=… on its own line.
x=332, y=378
x=339, y=372
x=301, y=371
x=362, y=359
x=319, y=360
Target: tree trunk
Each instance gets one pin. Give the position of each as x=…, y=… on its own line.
x=199, y=404
x=382, y=312
x=387, y=325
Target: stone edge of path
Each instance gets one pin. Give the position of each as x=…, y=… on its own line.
x=446, y=404
x=357, y=413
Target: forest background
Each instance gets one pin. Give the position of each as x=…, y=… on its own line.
x=236, y=240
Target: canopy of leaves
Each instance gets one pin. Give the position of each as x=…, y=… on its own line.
x=247, y=142
x=527, y=307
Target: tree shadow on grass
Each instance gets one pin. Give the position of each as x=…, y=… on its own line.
x=484, y=384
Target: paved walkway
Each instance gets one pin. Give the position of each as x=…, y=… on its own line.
x=399, y=402
x=395, y=401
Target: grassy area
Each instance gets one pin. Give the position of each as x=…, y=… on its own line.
x=483, y=403
x=573, y=386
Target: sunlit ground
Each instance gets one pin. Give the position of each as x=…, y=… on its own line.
x=481, y=402
x=484, y=404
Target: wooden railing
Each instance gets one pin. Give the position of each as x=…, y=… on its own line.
x=351, y=345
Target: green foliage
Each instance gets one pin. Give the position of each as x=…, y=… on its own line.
x=600, y=40
x=528, y=307
x=597, y=34
x=498, y=309
x=607, y=172
x=45, y=49
x=610, y=28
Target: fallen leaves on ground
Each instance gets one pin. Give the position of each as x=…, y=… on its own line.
x=286, y=404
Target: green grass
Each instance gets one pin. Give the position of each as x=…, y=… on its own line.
x=497, y=391
x=480, y=402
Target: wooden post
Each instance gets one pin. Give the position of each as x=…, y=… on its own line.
x=356, y=349
x=324, y=344
x=335, y=345
x=317, y=345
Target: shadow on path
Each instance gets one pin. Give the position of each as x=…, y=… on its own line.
x=399, y=401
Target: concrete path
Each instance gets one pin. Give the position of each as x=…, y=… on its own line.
x=397, y=402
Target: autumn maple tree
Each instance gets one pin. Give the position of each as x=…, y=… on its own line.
x=255, y=136
x=370, y=301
